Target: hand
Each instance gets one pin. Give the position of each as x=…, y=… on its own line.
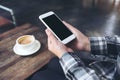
x=56, y=46
x=82, y=42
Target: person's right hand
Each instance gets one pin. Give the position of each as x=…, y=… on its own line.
x=82, y=42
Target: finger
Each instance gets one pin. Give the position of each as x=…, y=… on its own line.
x=70, y=27
x=48, y=40
x=47, y=32
x=70, y=50
x=51, y=37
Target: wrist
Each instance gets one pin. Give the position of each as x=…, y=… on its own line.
x=87, y=45
x=61, y=54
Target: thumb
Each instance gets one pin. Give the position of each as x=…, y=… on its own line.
x=47, y=32
x=50, y=35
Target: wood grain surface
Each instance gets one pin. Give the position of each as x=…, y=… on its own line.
x=15, y=67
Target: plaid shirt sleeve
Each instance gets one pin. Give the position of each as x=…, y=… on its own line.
x=75, y=69
x=108, y=46
x=98, y=45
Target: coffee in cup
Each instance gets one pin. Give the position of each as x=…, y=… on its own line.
x=27, y=39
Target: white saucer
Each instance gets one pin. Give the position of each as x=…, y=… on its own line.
x=26, y=52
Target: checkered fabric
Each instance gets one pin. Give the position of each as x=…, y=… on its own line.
x=75, y=69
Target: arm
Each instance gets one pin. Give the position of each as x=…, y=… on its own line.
x=75, y=69
x=72, y=65
x=107, y=46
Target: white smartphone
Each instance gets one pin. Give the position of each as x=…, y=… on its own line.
x=56, y=26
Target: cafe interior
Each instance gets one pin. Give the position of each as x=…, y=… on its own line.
x=21, y=17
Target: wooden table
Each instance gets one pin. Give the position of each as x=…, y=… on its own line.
x=15, y=67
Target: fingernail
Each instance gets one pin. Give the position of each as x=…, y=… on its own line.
x=63, y=21
x=47, y=30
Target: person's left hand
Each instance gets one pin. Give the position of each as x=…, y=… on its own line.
x=56, y=46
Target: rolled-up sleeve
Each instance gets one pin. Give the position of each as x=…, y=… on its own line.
x=75, y=69
x=98, y=45
x=108, y=46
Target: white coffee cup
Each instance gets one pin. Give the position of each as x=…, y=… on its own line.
x=26, y=45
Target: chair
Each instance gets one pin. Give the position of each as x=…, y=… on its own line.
x=11, y=13
x=7, y=19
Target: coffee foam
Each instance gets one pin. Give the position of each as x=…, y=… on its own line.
x=25, y=40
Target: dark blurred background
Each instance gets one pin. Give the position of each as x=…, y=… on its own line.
x=92, y=17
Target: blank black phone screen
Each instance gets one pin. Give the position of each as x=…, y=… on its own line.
x=57, y=26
